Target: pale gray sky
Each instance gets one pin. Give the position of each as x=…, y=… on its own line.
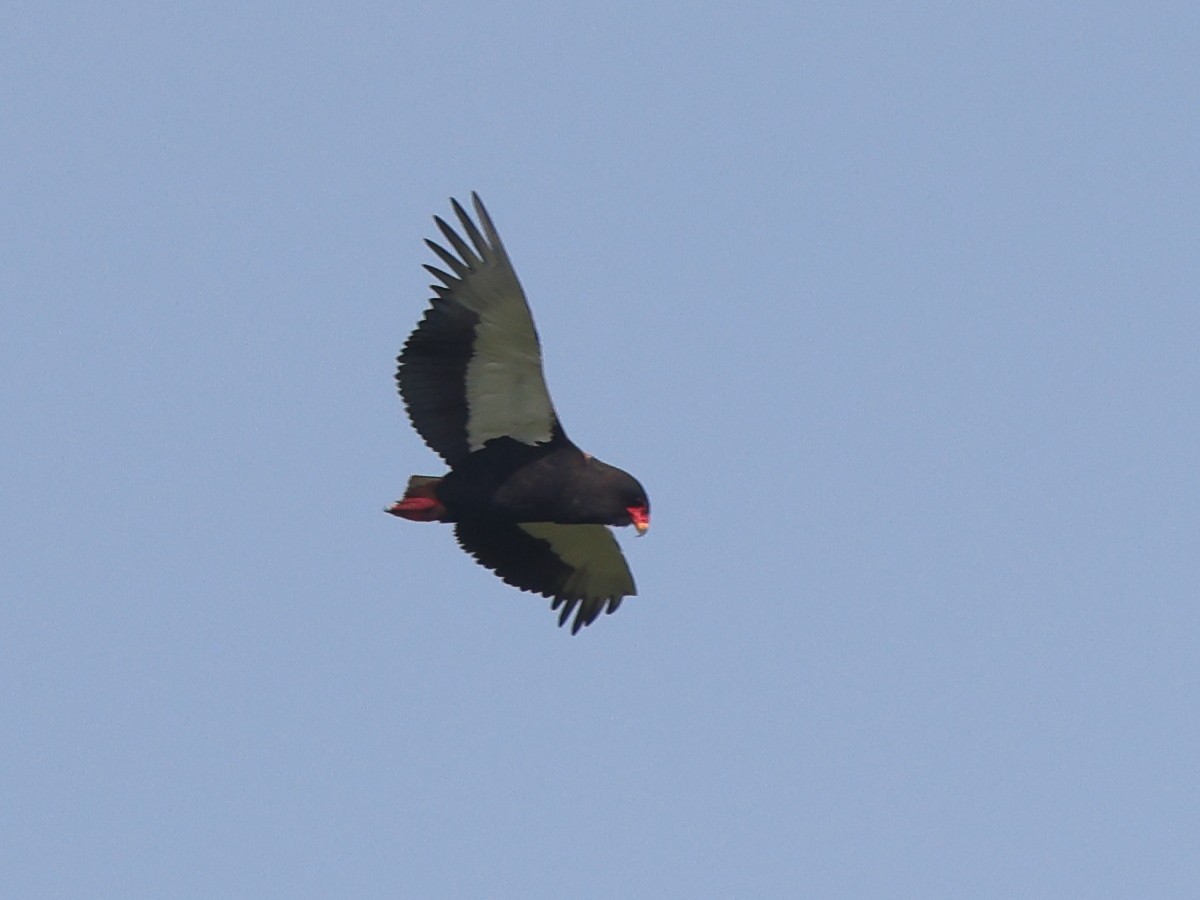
x=891, y=306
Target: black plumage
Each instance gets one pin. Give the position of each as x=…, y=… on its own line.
x=526, y=502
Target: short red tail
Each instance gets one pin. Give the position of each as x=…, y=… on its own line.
x=420, y=502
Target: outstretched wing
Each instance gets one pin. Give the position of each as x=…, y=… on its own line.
x=472, y=370
x=580, y=567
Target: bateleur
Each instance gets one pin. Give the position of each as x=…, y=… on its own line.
x=525, y=501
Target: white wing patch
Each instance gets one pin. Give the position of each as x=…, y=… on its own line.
x=599, y=570
x=505, y=389
x=506, y=392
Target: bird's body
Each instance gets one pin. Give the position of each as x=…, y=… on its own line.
x=526, y=502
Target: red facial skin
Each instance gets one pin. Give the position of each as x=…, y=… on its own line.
x=640, y=517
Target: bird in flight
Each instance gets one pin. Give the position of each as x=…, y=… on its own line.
x=524, y=500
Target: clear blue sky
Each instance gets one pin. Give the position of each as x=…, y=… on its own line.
x=891, y=306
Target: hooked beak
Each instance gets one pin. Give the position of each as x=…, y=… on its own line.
x=641, y=519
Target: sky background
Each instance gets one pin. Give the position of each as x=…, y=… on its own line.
x=891, y=306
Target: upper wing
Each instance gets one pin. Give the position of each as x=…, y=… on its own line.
x=579, y=566
x=472, y=370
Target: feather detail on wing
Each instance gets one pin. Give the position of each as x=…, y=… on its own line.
x=580, y=567
x=472, y=370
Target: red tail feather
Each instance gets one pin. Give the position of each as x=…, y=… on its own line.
x=420, y=502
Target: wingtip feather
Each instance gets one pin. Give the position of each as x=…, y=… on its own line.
x=459, y=245
x=483, y=248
